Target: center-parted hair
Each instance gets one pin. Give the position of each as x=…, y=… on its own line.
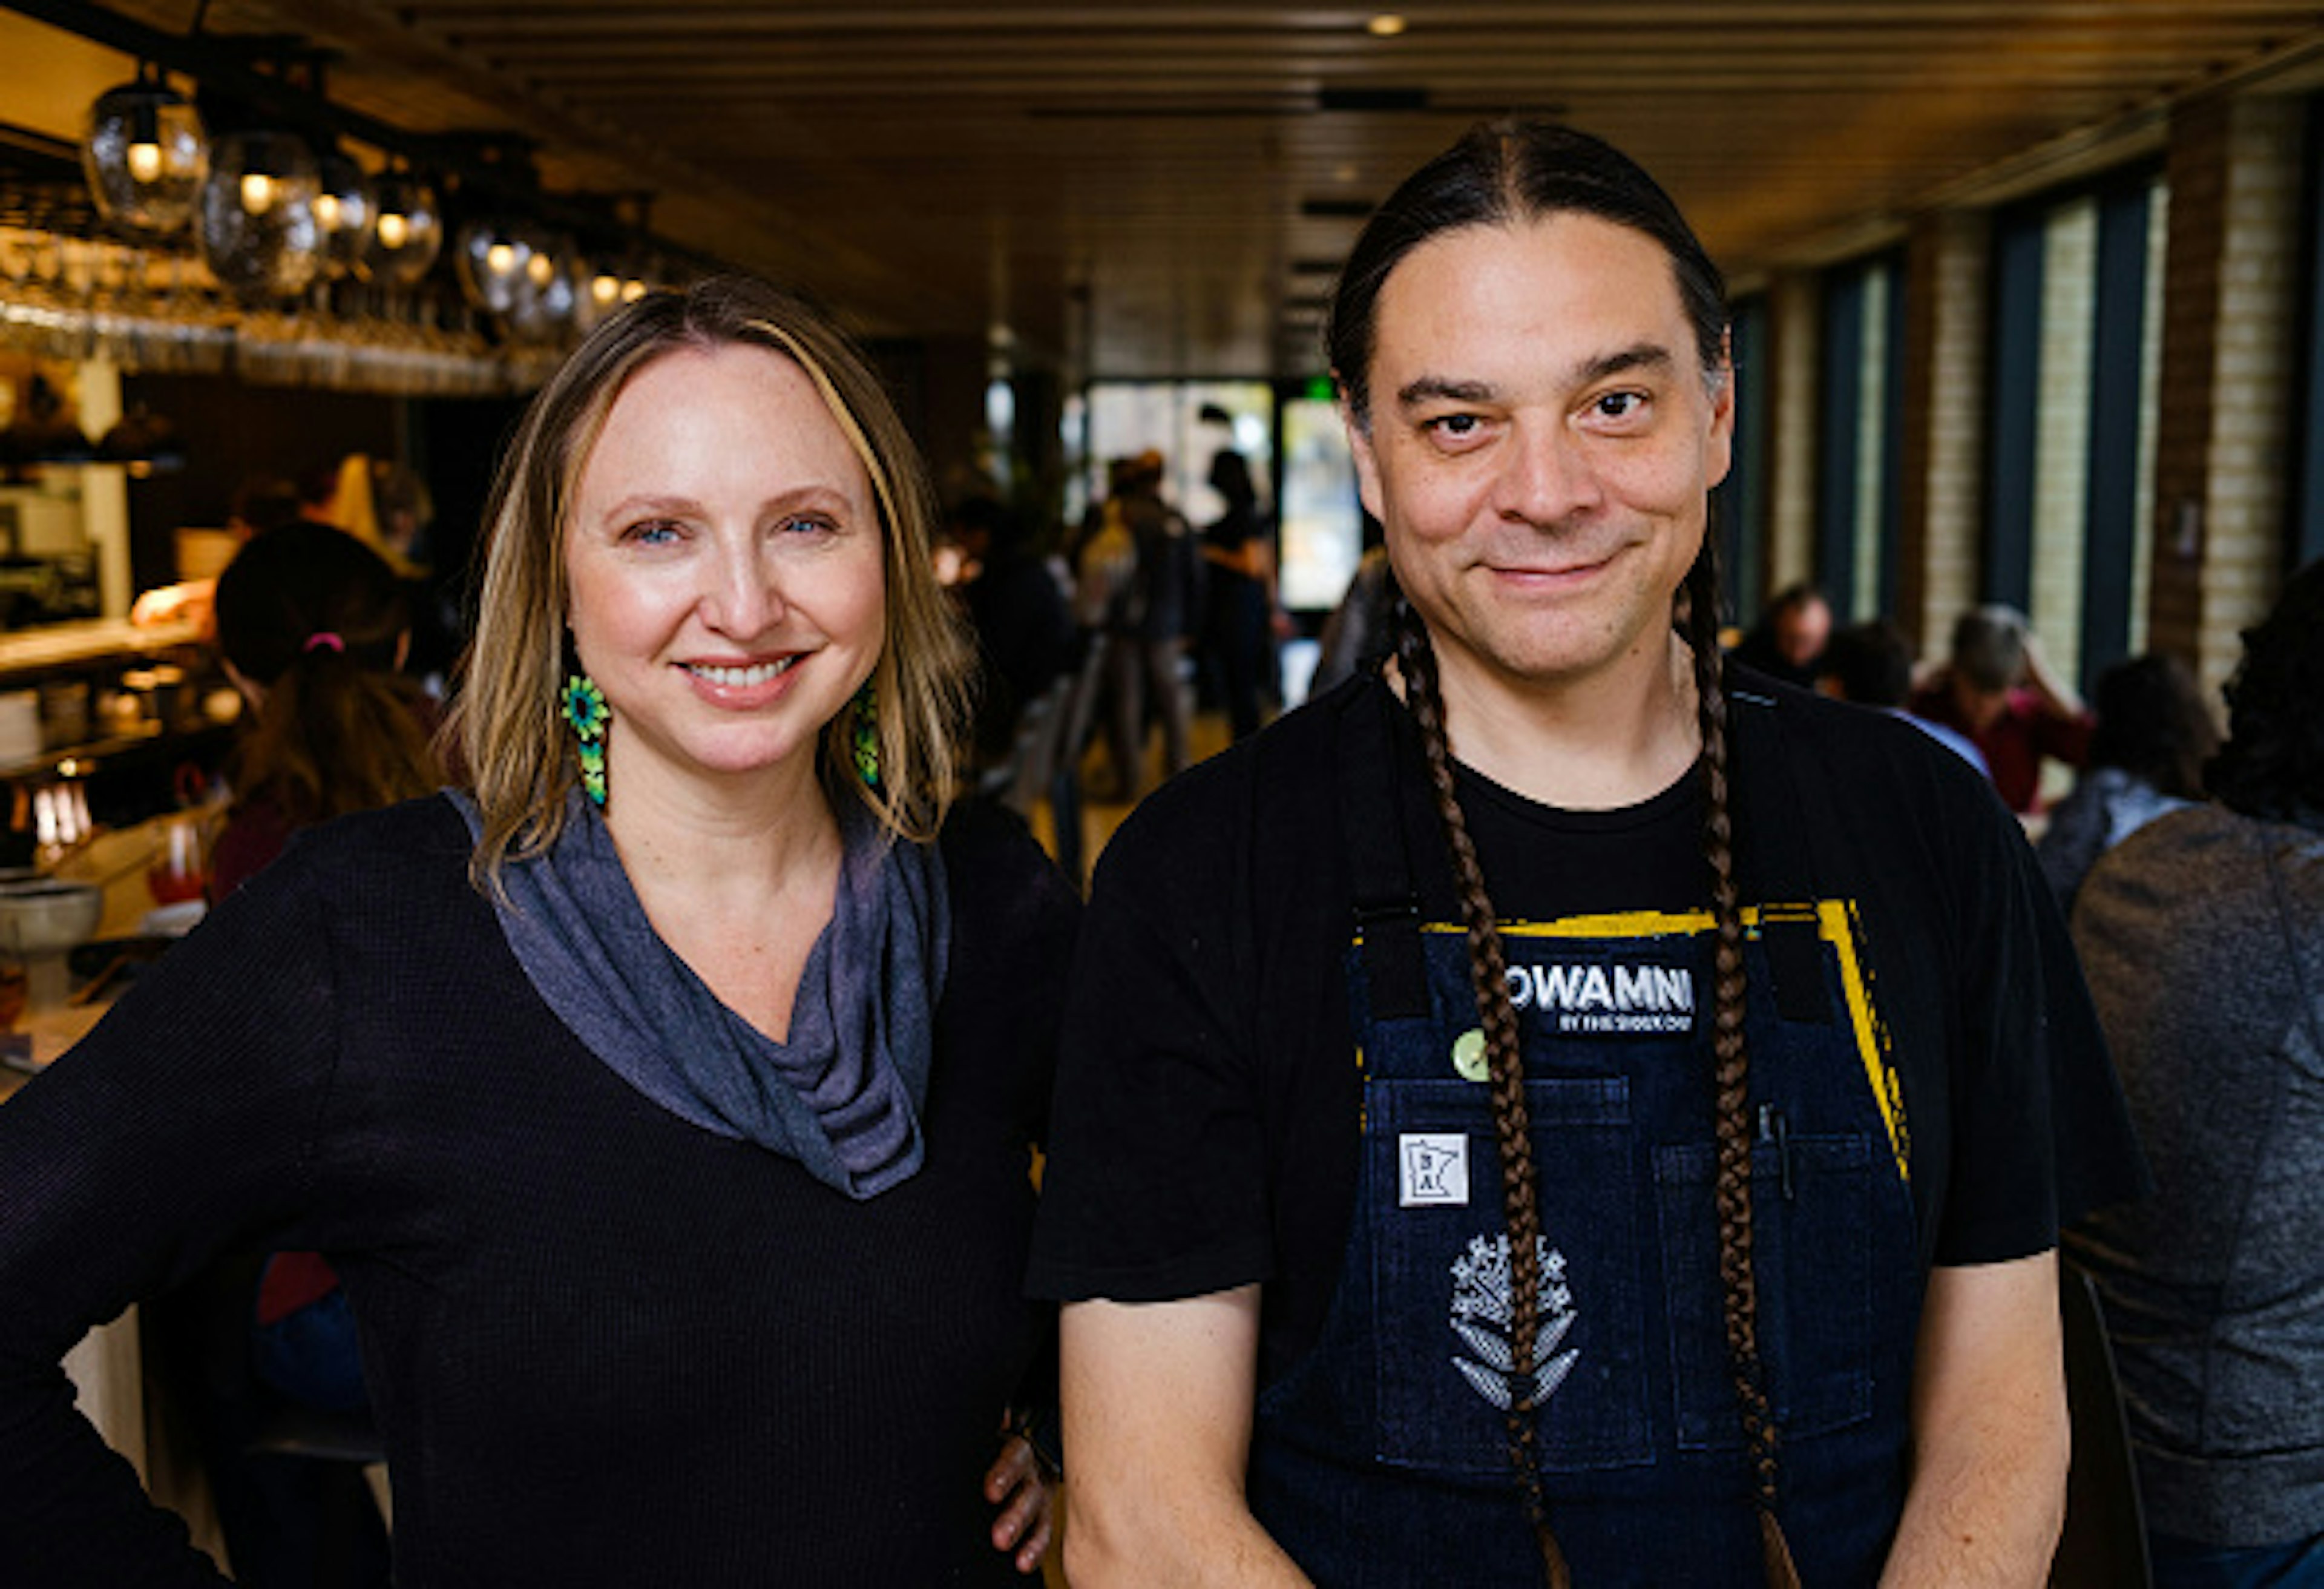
x=516, y=752
x=1508, y=174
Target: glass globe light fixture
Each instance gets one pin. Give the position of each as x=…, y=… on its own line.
x=550, y=286
x=347, y=212
x=408, y=234
x=597, y=283
x=145, y=155
x=258, y=230
x=493, y=259
x=643, y=271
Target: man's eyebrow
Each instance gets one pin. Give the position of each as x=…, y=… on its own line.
x=1444, y=389
x=1639, y=355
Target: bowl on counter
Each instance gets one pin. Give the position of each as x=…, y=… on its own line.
x=41, y=919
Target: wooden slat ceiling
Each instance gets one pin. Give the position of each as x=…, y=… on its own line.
x=1131, y=186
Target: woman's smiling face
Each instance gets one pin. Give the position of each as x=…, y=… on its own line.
x=724, y=573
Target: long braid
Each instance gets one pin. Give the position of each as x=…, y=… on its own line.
x=1697, y=611
x=1504, y=1059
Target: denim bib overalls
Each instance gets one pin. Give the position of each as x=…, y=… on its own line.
x=1381, y=1458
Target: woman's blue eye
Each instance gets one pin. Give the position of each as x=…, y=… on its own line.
x=654, y=532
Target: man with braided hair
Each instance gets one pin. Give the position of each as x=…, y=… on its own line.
x=1557, y=1111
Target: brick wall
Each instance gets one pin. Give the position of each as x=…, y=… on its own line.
x=2229, y=375
x=1941, y=453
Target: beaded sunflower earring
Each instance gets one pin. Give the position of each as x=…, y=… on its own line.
x=865, y=725
x=586, y=714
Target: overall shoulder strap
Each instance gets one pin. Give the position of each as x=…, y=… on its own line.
x=1776, y=845
x=1382, y=888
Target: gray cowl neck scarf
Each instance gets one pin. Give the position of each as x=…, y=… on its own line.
x=843, y=1095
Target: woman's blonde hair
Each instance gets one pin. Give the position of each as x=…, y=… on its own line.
x=509, y=740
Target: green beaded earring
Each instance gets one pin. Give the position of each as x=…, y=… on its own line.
x=866, y=732
x=585, y=712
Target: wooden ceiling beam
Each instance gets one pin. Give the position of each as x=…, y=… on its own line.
x=1732, y=16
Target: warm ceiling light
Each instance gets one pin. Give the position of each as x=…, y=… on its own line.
x=1387, y=24
x=346, y=210
x=408, y=235
x=258, y=231
x=145, y=155
x=500, y=259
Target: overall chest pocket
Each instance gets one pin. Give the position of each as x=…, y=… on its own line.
x=1813, y=1226
x=1440, y=1277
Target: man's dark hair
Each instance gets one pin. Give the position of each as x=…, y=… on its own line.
x=1872, y=664
x=1802, y=594
x=2152, y=724
x=2272, y=765
x=1501, y=173
x=1508, y=174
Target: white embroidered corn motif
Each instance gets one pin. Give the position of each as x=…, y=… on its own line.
x=1482, y=1309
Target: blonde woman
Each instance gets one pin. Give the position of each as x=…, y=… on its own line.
x=664, y=1096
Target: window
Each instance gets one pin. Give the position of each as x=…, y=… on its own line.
x=1860, y=419
x=2075, y=352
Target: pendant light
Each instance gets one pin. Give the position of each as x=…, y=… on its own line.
x=145, y=154
x=490, y=260
x=408, y=234
x=596, y=291
x=259, y=234
x=549, y=289
x=347, y=212
x=519, y=272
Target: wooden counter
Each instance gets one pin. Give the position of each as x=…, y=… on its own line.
x=91, y=640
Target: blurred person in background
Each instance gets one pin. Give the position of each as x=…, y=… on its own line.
x=1239, y=596
x=665, y=1095
x=2153, y=735
x=1996, y=689
x=1148, y=612
x=314, y=628
x=1870, y=664
x=403, y=512
x=261, y=503
x=2203, y=935
x=1788, y=640
x=1022, y=624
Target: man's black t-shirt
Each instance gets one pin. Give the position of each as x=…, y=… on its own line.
x=1205, y=1134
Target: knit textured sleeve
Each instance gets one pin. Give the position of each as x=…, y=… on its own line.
x=184, y=1122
